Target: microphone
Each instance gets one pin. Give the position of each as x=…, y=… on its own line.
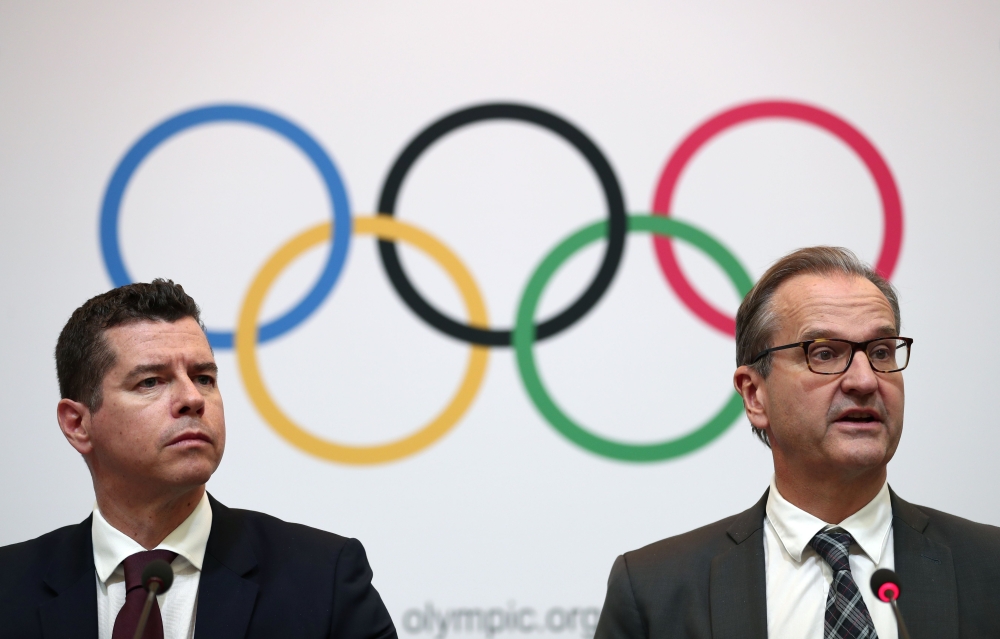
x=156, y=579
x=885, y=585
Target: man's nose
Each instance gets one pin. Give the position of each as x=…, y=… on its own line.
x=188, y=399
x=860, y=377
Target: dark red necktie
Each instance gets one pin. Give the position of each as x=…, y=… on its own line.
x=135, y=597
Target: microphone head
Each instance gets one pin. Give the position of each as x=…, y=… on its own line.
x=158, y=571
x=885, y=585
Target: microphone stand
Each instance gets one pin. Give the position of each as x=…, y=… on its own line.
x=903, y=634
x=154, y=586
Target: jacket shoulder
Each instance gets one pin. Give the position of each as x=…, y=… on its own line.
x=45, y=542
x=268, y=526
x=25, y=581
x=696, y=549
x=975, y=547
x=308, y=581
x=29, y=560
x=685, y=554
x=664, y=589
x=945, y=528
x=243, y=538
x=955, y=528
x=678, y=568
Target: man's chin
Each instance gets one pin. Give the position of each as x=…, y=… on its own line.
x=193, y=475
x=861, y=454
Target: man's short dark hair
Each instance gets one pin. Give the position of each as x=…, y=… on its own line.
x=756, y=321
x=83, y=355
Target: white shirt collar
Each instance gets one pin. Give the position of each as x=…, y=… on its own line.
x=112, y=547
x=795, y=527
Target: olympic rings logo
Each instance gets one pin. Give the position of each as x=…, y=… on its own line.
x=477, y=332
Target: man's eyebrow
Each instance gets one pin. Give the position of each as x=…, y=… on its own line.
x=818, y=333
x=205, y=367
x=888, y=331
x=143, y=369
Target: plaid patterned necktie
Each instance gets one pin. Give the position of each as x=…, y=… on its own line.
x=846, y=613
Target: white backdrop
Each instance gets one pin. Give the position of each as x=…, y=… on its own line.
x=502, y=513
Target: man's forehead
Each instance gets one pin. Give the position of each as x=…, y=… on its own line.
x=814, y=302
x=151, y=337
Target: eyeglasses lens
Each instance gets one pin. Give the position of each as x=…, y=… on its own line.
x=888, y=355
x=885, y=355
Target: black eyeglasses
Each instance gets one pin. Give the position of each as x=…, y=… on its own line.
x=834, y=356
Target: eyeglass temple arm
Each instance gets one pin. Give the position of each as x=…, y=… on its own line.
x=776, y=348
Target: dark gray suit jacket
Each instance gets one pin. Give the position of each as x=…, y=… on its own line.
x=710, y=582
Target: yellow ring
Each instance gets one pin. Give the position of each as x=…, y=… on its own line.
x=387, y=228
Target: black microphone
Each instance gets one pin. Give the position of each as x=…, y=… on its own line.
x=885, y=585
x=156, y=579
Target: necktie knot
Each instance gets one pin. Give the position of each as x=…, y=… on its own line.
x=135, y=564
x=834, y=546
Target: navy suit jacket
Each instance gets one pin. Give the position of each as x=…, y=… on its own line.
x=261, y=577
x=711, y=582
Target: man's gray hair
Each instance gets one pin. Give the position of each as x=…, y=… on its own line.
x=757, y=321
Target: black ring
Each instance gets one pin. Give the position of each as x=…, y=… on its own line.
x=612, y=192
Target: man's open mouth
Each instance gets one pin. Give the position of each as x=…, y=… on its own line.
x=858, y=417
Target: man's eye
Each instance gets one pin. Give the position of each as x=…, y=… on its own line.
x=149, y=382
x=823, y=354
x=882, y=352
x=205, y=380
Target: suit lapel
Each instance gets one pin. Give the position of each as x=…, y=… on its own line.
x=738, y=586
x=73, y=610
x=929, y=597
x=225, y=597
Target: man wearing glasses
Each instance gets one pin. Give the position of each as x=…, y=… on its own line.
x=820, y=368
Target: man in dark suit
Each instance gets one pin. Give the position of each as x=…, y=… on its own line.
x=820, y=366
x=141, y=405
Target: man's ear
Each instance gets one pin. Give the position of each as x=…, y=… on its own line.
x=750, y=385
x=74, y=422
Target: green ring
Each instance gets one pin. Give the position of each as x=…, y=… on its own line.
x=524, y=340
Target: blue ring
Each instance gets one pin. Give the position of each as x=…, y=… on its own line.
x=110, y=246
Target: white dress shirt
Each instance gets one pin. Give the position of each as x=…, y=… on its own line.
x=798, y=579
x=179, y=605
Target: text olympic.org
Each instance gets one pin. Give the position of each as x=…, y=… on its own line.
x=491, y=621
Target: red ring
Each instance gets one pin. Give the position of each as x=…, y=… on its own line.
x=886, y=589
x=892, y=209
